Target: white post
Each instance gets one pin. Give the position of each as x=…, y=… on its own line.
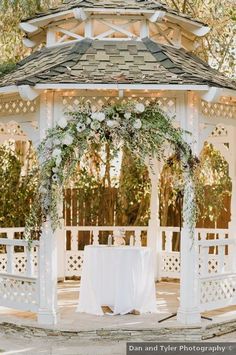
x=47, y=313
x=232, y=174
x=60, y=232
x=188, y=312
x=154, y=236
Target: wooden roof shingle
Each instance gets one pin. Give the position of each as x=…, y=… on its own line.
x=106, y=62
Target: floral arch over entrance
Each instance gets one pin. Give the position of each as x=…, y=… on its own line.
x=144, y=130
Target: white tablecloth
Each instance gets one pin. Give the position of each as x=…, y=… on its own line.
x=119, y=277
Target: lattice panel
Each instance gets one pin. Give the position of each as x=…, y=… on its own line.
x=216, y=293
x=218, y=110
x=170, y=264
x=213, y=262
x=3, y=263
x=74, y=262
x=220, y=131
x=16, y=106
x=12, y=130
x=19, y=263
x=18, y=293
x=167, y=104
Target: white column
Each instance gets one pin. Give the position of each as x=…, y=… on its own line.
x=58, y=112
x=188, y=312
x=232, y=173
x=47, y=313
x=154, y=237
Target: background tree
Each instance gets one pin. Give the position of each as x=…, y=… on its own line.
x=17, y=186
x=218, y=46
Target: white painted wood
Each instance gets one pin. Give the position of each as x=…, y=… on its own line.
x=27, y=93
x=88, y=28
x=95, y=236
x=137, y=238
x=119, y=28
x=154, y=236
x=48, y=313
x=29, y=43
x=144, y=29
x=80, y=14
x=157, y=16
x=213, y=94
x=51, y=36
x=27, y=27
x=121, y=87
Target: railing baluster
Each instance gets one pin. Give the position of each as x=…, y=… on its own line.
x=29, y=261
x=204, y=261
x=221, y=257
x=10, y=259
x=169, y=236
x=138, y=241
x=95, y=236
x=74, y=240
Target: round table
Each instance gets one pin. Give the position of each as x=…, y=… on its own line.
x=121, y=278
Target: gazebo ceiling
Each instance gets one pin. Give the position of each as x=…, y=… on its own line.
x=107, y=62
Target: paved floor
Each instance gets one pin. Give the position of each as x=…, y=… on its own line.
x=14, y=344
x=68, y=293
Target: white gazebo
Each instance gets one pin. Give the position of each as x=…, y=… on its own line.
x=105, y=51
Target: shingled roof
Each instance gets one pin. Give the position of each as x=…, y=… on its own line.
x=106, y=62
x=114, y=4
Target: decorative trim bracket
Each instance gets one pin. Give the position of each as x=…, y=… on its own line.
x=27, y=93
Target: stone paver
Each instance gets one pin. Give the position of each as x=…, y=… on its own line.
x=17, y=344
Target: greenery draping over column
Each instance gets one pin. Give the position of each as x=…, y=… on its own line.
x=145, y=130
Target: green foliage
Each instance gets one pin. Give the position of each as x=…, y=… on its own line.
x=16, y=191
x=133, y=192
x=213, y=183
x=6, y=68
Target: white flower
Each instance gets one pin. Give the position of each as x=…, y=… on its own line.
x=95, y=125
x=57, y=141
x=94, y=115
x=139, y=108
x=55, y=170
x=80, y=127
x=127, y=115
x=137, y=124
x=54, y=178
x=68, y=139
x=56, y=153
x=101, y=116
x=58, y=160
x=116, y=116
x=112, y=123
x=43, y=190
x=62, y=123
x=88, y=121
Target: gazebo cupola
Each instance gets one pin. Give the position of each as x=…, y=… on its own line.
x=120, y=20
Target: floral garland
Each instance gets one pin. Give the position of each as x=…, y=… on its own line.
x=144, y=130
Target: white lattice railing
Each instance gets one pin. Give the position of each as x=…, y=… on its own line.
x=74, y=256
x=15, y=256
x=217, y=276
x=18, y=281
x=170, y=259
